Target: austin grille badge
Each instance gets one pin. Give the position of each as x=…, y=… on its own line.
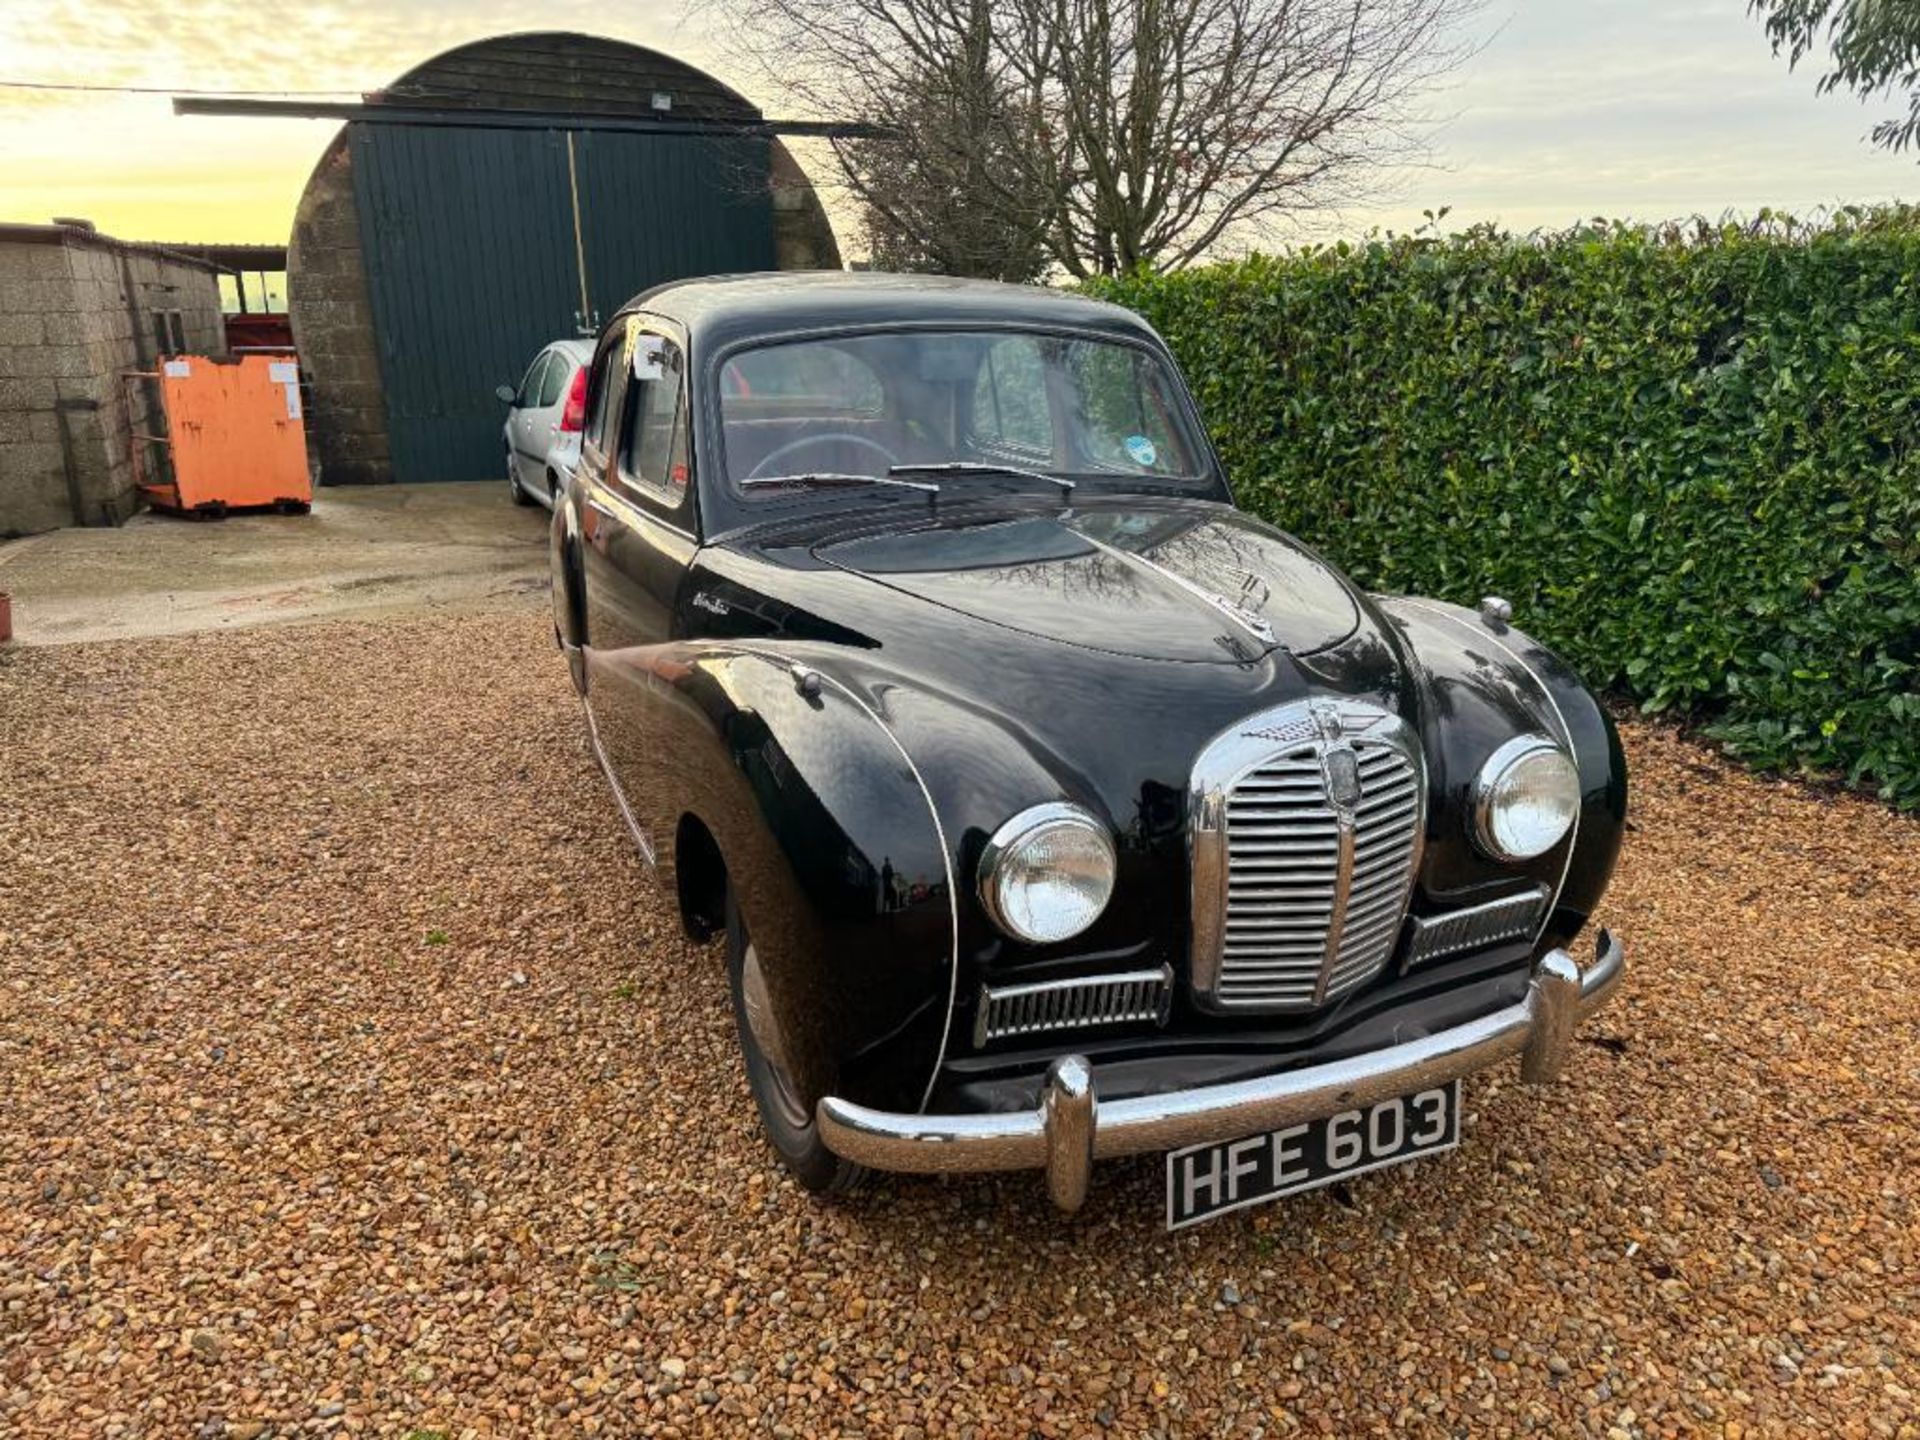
x=1340, y=773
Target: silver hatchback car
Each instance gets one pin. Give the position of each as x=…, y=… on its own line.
x=544, y=420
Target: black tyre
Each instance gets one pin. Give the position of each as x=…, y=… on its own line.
x=785, y=1113
x=520, y=497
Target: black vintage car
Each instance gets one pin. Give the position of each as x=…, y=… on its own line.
x=1051, y=808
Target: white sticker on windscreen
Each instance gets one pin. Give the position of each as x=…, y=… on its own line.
x=1141, y=449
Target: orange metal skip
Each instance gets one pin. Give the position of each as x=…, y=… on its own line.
x=235, y=432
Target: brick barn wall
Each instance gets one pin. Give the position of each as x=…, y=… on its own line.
x=76, y=310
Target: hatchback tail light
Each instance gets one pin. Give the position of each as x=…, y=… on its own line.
x=574, y=417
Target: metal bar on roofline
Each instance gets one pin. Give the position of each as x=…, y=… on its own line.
x=385, y=114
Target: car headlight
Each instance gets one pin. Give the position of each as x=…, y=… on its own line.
x=1525, y=798
x=1047, y=873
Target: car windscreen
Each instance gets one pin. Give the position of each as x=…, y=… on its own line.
x=909, y=402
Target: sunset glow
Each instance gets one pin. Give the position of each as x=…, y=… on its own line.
x=1639, y=108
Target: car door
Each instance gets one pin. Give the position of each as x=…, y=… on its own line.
x=637, y=528
x=544, y=417
x=635, y=468
x=525, y=458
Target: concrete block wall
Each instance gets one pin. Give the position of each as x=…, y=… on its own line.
x=36, y=298
x=333, y=328
x=76, y=310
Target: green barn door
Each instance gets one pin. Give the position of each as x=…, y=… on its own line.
x=667, y=207
x=483, y=244
x=471, y=267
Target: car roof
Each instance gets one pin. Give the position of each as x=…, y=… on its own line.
x=580, y=350
x=720, y=309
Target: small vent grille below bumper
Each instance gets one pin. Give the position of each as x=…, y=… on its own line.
x=1514, y=918
x=1074, y=1004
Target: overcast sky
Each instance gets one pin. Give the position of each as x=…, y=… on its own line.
x=1645, y=109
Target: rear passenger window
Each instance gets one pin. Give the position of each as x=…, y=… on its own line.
x=529, y=395
x=653, y=447
x=559, y=369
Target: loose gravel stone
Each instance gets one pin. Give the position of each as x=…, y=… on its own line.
x=340, y=1023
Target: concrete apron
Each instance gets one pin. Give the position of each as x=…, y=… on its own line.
x=364, y=551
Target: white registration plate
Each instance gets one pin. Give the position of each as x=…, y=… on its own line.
x=1208, y=1180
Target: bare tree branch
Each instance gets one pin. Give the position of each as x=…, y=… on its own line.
x=1092, y=136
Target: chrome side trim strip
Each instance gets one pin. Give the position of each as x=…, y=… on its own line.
x=1054, y=1136
x=640, y=836
x=1480, y=632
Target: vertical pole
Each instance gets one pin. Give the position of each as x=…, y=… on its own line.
x=579, y=238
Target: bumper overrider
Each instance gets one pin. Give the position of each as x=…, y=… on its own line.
x=1072, y=1127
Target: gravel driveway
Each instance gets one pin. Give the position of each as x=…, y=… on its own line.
x=353, y=1078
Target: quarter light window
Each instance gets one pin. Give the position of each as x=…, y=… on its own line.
x=653, y=450
x=606, y=386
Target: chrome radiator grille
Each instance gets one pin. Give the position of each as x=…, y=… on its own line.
x=1305, y=841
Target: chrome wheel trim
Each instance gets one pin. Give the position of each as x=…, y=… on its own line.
x=764, y=1026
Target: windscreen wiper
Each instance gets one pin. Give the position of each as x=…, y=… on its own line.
x=833, y=477
x=976, y=467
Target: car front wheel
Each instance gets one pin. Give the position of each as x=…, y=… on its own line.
x=785, y=1113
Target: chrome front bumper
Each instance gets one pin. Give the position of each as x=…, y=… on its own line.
x=1072, y=1128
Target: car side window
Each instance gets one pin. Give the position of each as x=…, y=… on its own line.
x=653, y=432
x=1010, y=399
x=529, y=395
x=559, y=371
x=606, y=387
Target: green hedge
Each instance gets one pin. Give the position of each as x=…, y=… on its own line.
x=1690, y=458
